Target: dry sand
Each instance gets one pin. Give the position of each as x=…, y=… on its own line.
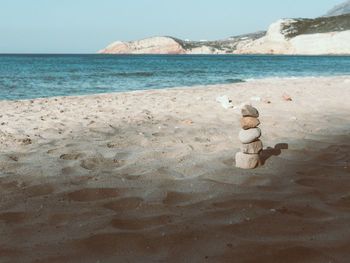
x=149, y=176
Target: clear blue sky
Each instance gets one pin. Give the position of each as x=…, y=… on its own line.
x=85, y=26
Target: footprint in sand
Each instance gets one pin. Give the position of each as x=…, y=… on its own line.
x=8, y=186
x=95, y=194
x=13, y=217
x=71, y=170
x=72, y=156
x=112, y=145
x=124, y=204
x=243, y=203
x=91, y=163
x=53, y=151
x=19, y=156
x=159, y=134
x=58, y=219
x=39, y=190
x=116, y=243
x=14, y=158
x=141, y=223
x=177, y=198
x=343, y=202
x=303, y=211
x=96, y=163
x=118, y=144
x=325, y=184
x=5, y=252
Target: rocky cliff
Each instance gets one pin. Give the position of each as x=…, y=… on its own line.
x=341, y=9
x=320, y=36
x=154, y=45
x=170, y=45
x=324, y=35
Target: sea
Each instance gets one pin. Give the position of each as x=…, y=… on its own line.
x=29, y=76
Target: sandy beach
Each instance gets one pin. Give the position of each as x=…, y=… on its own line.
x=150, y=176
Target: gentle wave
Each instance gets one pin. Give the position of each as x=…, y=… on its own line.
x=148, y=74
x=284, y=78
x=121, y=74
x=235, y=80
x=189, y=71
x=135, y=74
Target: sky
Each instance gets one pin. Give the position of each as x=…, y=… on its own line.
x=86, y=26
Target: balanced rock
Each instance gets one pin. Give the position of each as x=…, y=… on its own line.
x=249, y=122
x=247, y=161
x=248, y=136
x=249, y=111
x=252, y=148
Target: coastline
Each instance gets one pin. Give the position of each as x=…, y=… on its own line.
x=104, y=109
x=149, y=175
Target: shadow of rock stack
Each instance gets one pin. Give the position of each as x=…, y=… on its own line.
x=251, y=146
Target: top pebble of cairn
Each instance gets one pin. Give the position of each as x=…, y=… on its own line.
x=249, y=111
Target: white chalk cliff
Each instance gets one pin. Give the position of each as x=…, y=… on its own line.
x=154, y=45
x=319, y=36
x=276, y=41
x=170, y=45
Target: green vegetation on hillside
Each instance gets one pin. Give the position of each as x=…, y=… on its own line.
x=317, y=25
x=227, y=46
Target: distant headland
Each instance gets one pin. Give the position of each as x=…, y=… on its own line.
x=329, y=34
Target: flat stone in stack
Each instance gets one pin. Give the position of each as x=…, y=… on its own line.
x=247, y=161
x=252, y=148
x=249, y=111
x=249, y=136
x=249, y=122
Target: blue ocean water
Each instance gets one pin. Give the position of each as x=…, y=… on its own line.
x=33, y=76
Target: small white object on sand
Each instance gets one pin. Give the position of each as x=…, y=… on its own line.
x=224, y=101
x=255, y=98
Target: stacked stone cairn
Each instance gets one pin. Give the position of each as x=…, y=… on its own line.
x=251, y=146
